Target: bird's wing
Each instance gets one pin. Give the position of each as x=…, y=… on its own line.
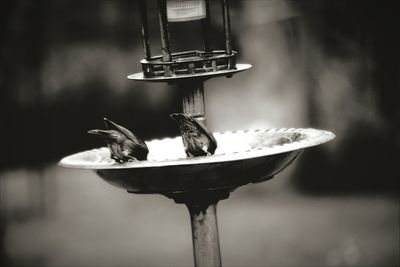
x=116, y=150
x=121, y=129
x=205, y=131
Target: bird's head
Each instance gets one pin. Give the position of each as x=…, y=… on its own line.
x=185, y=122
x=108, y=135
x=179, y=117
x=182, y=118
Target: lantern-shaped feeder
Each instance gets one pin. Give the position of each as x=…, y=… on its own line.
x=241, y=157
x=170, y=66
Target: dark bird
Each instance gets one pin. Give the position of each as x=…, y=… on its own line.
x=197, y=140
x=123, y=144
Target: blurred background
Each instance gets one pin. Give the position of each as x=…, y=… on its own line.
x=326, y=64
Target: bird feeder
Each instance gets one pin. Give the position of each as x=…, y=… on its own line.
x=188, y=69
x=178, y=65
x=241, y=157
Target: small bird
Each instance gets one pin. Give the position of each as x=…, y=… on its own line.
x=123, y=144
x=197, y=140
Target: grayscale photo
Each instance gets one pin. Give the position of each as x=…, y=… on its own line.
x=206, y=133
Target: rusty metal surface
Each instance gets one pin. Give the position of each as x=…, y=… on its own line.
x=241, y=157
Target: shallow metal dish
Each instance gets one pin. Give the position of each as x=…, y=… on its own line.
x=242, y=157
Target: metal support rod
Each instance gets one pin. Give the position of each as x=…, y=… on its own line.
x=193, y=98
x=162, y=15
x=205, y=235
x=145, y=29
x=206, y=29
x=201, y=205
x=227, y=26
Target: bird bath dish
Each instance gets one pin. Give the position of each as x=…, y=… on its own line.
x=242, y=157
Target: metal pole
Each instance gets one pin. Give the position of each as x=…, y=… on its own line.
x=162, y=15
x=205, y=235
x=193, y=99
x=202, y=207
x=206, y=29
x=145, y=29
x=227, y=26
